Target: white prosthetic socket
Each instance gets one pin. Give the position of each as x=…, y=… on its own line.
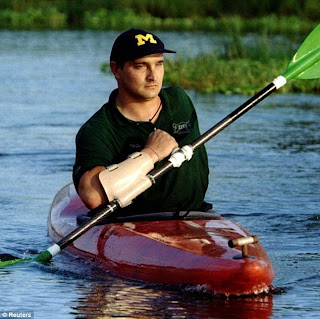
x=123, y=182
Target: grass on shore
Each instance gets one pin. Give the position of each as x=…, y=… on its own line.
x=45, y=18
x=213, y=74
x=238, y=70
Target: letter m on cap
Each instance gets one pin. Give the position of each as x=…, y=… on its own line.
x=142, y=39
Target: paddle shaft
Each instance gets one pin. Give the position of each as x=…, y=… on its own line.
x=242, y=109
x=307, y=56
x=103, y=212
x=83, y=228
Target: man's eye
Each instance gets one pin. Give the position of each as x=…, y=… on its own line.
x=139, y=66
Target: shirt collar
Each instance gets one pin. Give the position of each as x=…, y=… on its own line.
x=166, y=114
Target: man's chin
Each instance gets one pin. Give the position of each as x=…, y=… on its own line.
x=151, y=93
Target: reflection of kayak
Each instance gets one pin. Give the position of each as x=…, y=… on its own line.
x=192, y=250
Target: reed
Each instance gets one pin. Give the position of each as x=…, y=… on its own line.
x=238, y=70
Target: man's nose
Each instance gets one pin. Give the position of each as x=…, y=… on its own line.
x=151, y=75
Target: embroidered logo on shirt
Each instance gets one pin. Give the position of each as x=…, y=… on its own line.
x=181, y=128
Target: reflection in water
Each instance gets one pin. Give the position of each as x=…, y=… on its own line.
x=107, y=301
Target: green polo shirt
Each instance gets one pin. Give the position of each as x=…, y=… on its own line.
x=108, y=138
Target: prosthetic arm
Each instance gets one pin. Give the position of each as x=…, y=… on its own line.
x=125, y=181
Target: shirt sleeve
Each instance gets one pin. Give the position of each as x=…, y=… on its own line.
x=91, y=151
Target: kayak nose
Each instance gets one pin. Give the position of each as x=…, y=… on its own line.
x=252, y=277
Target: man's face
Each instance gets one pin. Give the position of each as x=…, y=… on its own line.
x=142, y=78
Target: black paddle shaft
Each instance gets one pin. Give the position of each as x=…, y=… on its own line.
x=155, y=173
x=242, y=109
x=102, y=212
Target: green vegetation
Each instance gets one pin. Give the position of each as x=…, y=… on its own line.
x=216, y=74
x=271, y=16
x=239, y=69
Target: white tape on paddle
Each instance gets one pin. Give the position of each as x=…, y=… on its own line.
x=181, y=155
x=54, y=250
x=279, y=81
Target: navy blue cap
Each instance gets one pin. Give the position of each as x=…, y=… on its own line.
x=136, y=43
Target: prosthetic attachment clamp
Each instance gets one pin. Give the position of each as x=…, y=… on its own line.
x=181, y=155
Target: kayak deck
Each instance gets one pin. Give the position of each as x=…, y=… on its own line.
x=184, y=251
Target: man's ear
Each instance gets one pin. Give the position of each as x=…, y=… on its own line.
x=114, y=68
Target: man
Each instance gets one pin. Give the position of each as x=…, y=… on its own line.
x=143, y=117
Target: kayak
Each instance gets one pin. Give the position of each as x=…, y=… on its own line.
x=190, y=248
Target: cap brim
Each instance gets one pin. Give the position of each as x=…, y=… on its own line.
x=150, y=52
x=168, y=51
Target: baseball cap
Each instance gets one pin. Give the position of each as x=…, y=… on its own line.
x=136, y=43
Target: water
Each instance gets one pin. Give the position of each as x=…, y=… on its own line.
x=265, y=171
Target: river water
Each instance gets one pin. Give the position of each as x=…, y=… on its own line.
x=265, y=172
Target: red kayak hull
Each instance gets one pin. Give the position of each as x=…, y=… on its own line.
x=179, y=252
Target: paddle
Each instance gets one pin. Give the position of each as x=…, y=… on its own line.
x=304, y=65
